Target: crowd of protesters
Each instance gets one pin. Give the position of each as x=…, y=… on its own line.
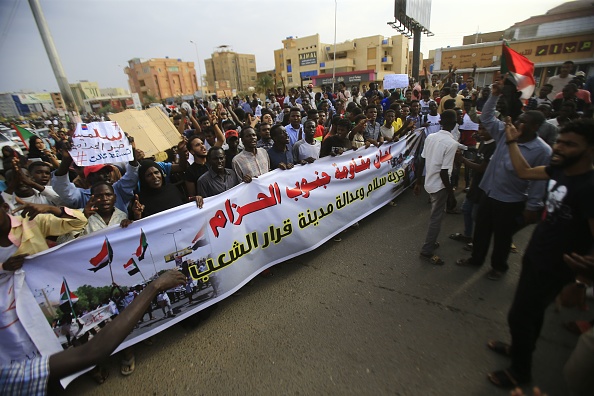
x=505, y=149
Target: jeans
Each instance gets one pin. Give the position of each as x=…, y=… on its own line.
x=500, y=220
x=438, y=205
x=469, y=210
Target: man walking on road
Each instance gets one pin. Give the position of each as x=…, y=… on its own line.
x=438, y=154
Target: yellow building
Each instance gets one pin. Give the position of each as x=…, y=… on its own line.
x=161, y=78
x=84, y=90
x=359, y=60
x=228, y=72
x=564, y=33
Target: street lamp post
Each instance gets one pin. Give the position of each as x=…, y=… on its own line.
x=334, y=61
x=199, y=69
x=173, y=234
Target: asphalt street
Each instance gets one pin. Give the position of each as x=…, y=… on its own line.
x=362, y=316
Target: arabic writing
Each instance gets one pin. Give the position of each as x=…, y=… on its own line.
x=313, y=217
x=234, y=213
x=100, y=142
x=241, y=249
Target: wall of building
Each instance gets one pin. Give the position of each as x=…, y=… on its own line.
x=161, y=77
x=228, y=70
x=305, y=57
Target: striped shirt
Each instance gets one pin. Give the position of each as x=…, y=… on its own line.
x=246, y=163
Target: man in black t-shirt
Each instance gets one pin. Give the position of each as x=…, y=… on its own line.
x=567, y=227
x=339, y=143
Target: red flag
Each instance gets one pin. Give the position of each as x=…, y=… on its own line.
x=520, y=68
x=103, y=258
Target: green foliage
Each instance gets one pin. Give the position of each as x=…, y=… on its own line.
x=264, y=84
x=90, y=297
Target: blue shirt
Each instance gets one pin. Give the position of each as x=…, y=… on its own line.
x=500, y=180
x=293, y=134
x=276, y=157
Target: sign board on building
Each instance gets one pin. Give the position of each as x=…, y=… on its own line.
x=35, y=98
x=349, y=79
x=308, y=58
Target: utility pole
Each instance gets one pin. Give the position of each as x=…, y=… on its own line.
x=52, y=53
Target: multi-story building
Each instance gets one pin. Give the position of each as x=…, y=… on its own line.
x=564, y=33
x=360, y=60
x=84, y=90
x=228, y=71
x=161, y=78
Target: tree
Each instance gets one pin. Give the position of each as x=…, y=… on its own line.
x=265, y=84
x=148, y=99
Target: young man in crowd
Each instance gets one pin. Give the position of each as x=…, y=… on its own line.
x=438, y=154
x=308, y=148
x=566, y=233
x=280, y=154
x=218, y=178
x=252, y=161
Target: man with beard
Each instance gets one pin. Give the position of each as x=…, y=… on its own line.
x=198, y=150
x=509, y=203
x=567, y=230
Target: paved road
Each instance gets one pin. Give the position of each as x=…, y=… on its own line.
x=363, y=316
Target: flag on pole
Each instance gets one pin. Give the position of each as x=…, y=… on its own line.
x=23, y=134
x=103, y=258
x=66, y=295
x=520, y=68
x=131, y=267
x=142, y=247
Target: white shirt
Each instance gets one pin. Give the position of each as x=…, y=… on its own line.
x=439, y=151
x=303, y=150
x=434, y=125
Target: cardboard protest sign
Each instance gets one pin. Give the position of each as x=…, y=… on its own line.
x=392, y=81
x=152, y=130
x=100, y=143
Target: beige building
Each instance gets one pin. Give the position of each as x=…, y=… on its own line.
x=228, y=72
x=114, y=92
x=161, y=78
x=84, y=90
x=563, y=33
x=359, y=60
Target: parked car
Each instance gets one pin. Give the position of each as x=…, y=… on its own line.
x=12, y=135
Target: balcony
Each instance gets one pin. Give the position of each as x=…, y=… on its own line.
x=347, y=63
x=387, y=60
x=387, y=43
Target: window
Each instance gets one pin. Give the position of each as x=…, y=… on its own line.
x=253, y=78
x=252, y=69
x=173, y=68
x=146, y=70
x=290, y=79
x=141, y=82
x=251, y=61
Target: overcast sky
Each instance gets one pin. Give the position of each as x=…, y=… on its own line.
x=96, y=38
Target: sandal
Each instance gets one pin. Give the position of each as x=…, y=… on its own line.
x=460, y=237
x=468, y=247
x=505, y=379
x=99, y=374
x=434, y=259
x=499, y=347
x=127, y=366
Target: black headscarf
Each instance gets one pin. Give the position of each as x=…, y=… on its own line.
x=34, y=152
x=160, y=199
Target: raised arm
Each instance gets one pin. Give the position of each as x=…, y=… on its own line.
x=521, y=166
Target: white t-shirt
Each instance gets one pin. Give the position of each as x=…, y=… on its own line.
x=434, y=125
x=439, y=151
x=387, y=133
x=558, y=83
x=303, y=150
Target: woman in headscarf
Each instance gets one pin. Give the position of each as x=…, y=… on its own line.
x=37, y=149
x=155, y=194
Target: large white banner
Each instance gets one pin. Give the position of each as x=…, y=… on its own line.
x=230, y=240
x=100, y=143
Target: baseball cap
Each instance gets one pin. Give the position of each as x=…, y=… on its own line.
x=95, y=168
x=231, y=133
